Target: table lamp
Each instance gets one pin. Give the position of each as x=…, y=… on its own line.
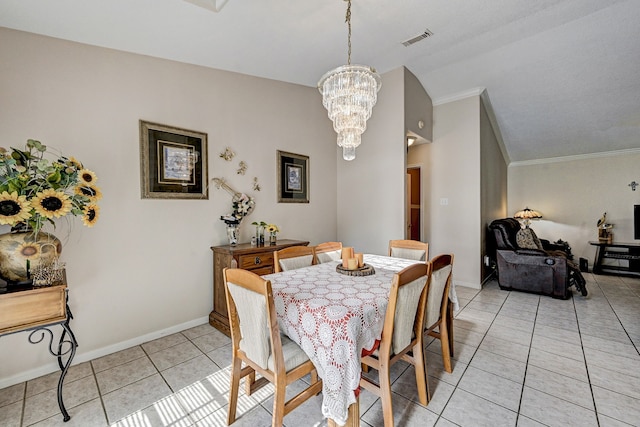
x=526, y=215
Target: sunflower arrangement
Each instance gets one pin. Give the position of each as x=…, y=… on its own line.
x=272, y=229
x=35, y=190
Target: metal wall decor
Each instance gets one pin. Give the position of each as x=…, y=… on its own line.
x=227, y=154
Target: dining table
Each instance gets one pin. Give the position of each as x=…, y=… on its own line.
x=333, y=317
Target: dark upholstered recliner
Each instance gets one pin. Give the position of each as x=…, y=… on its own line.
x=546, y=270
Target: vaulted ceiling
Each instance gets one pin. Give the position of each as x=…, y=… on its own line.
x=563, y=76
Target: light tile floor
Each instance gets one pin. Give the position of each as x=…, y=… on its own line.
x=520, y=359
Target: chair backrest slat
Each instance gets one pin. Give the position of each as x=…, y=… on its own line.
x=329, y=251
x=406, y=311
x=409, y=249
x=296, y=262
x=294, y=257
x=442, y=266
x=253, y=319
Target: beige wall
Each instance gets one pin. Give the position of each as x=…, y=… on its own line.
x=371, y=187
x=418, y=107
x=573, y=194
x=493, y=181
x=454, y=175
x=145, y=269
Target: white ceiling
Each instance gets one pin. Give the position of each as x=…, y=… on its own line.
x=563, y=76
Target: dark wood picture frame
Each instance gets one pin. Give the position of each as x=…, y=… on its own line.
x=292, y=177
x=173, y=162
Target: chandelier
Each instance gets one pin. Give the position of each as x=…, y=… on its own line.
x=349, y=93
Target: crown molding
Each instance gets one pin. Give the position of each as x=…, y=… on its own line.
x=458, y=96
x=576, y=157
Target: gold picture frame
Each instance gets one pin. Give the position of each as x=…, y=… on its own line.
x=292, y=177
x=173, y=162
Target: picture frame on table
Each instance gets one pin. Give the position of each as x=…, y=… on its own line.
x=292, y=177
x=173, y=162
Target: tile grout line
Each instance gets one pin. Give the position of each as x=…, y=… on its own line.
x=526, y=366
x=24, y=403
x=495, y=315
x=616, y=314
x=584, y=355
x=95, y=378
x=456, y=386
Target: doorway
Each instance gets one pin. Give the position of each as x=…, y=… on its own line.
x=413, y=211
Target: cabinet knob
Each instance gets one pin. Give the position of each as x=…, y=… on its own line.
x=258, y=260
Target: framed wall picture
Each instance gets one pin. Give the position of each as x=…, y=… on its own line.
x=293, y=177
x=173, y=162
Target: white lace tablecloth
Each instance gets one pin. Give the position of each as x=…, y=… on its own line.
x=333, y=317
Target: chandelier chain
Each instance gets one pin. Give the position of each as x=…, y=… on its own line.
x=347, y=19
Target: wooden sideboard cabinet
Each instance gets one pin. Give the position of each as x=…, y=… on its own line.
x=258, y=259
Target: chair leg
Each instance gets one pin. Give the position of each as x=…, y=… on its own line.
x=385, y=393
x=422, y=382
x=315, y=379
x=248, y=383
x=236, y=364
x=450, y=327
x=279, y=395
x=445, y=345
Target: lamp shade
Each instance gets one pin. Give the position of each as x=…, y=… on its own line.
x=527, y=213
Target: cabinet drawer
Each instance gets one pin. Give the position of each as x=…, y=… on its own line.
x=251, y=262
x=262, y=271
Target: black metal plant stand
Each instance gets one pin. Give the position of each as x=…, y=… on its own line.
x=65, y=351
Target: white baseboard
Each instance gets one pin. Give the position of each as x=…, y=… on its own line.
x=94, y=354
x=467, y=284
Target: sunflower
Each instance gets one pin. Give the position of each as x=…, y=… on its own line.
x=75, y=162
x=91, y=191
x=14, y=208
x=51, y=203
x=87, y=177
x=29, y=250
x=272, y=228
x=91, y=214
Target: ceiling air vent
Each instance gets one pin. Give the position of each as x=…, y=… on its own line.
x=417, y=38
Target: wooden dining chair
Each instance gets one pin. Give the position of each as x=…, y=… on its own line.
x=402, y=336
x=294, y=257
x=409, y=249
x=439, y=317
x=257, y=342
x=329, y=251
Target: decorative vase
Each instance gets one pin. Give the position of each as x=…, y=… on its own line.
x=22, y=250
x=261, y=236
x=272, y=238
x=233, y=232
